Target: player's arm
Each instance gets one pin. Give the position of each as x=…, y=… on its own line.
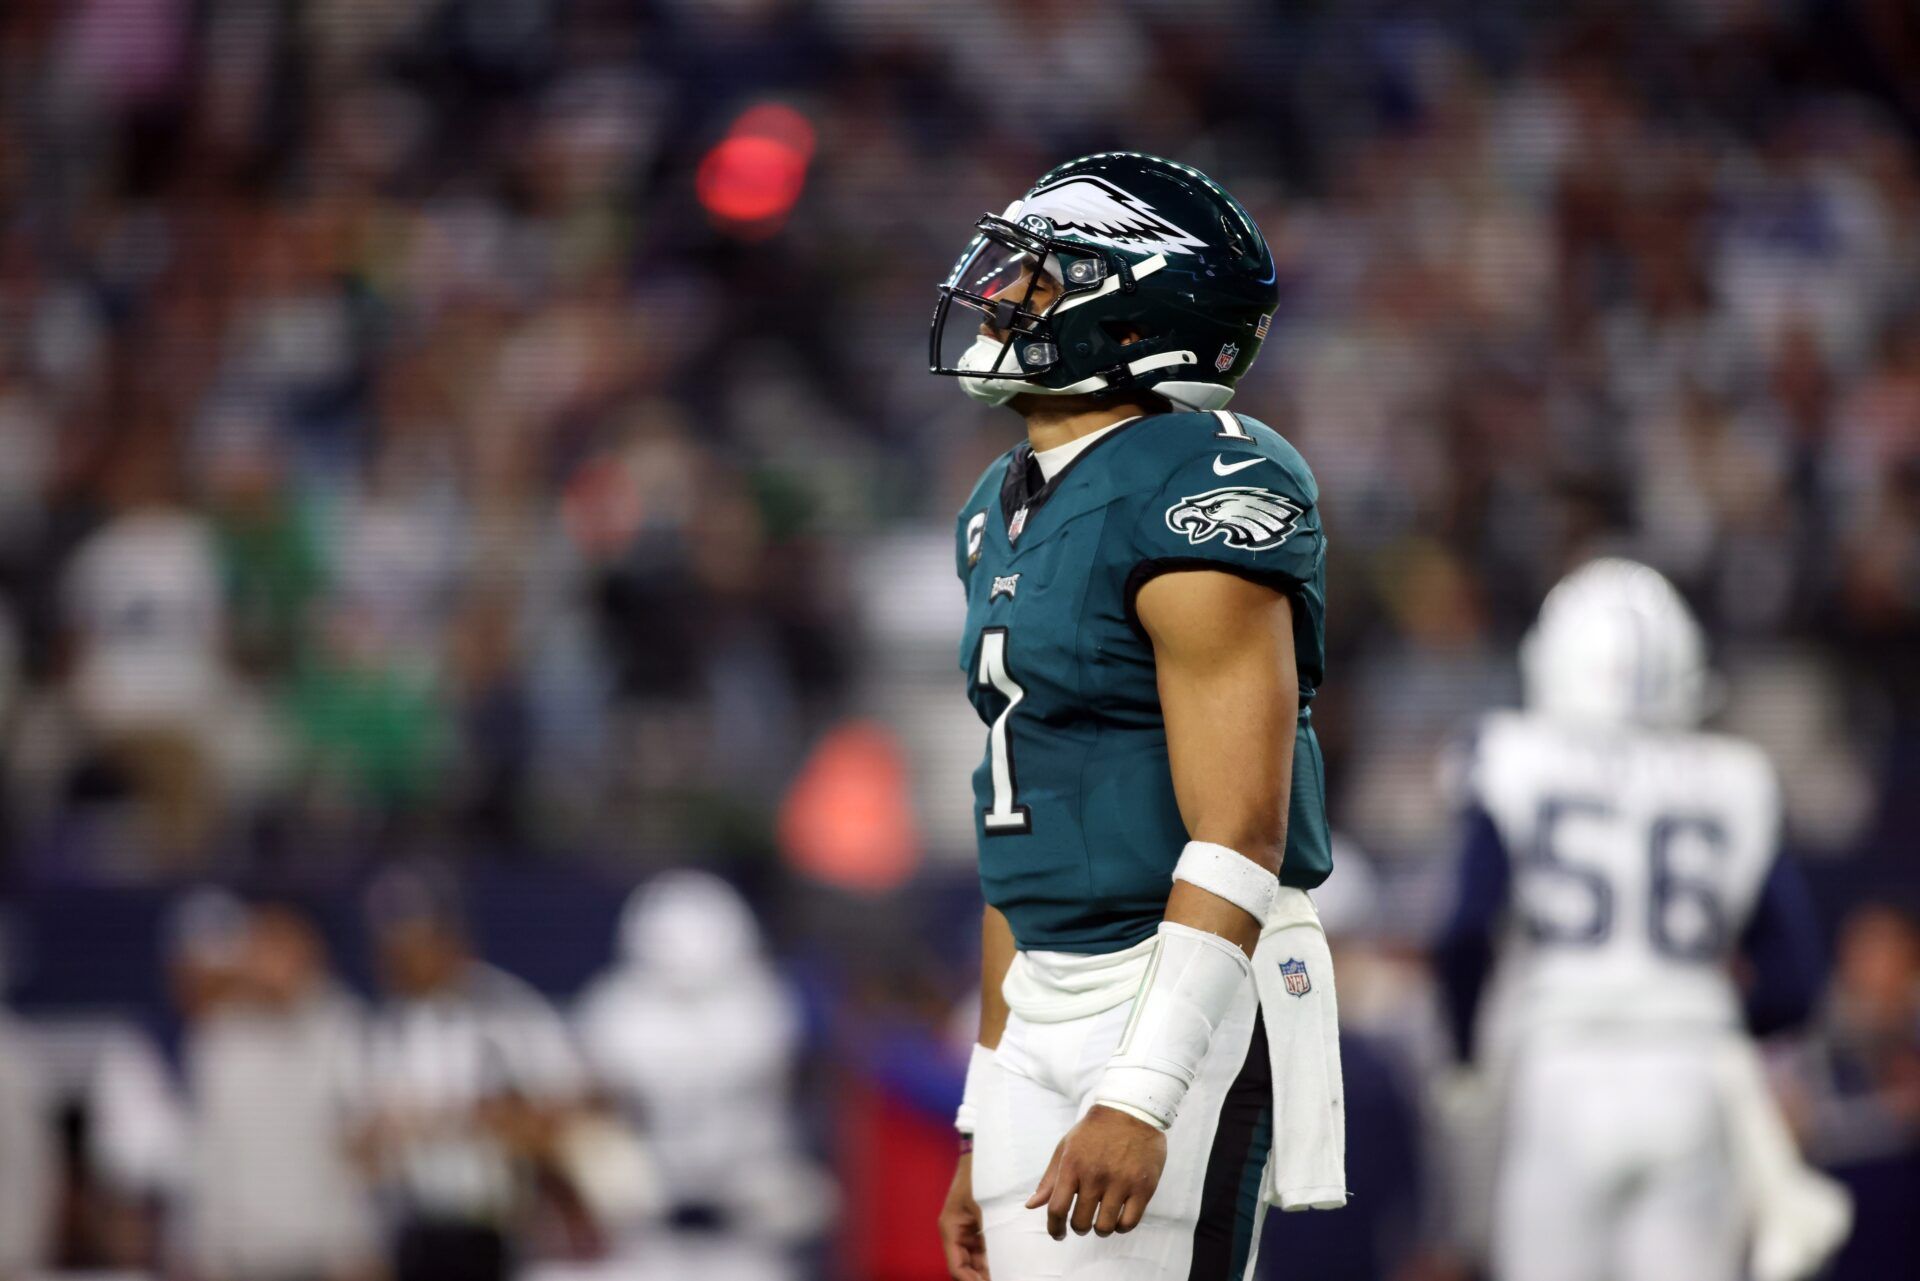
x=1463, y=953
x=1785, y=954
x=962, y=1235
x=1782, y=954
x=1229, y=693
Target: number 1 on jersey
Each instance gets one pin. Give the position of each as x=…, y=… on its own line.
x=1003, y=817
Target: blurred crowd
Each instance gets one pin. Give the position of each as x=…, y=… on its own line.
x=420, y=432
x=423, y=436
x=458, y=1125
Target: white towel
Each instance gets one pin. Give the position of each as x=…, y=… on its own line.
x=1293, y=969
x=1800, y=1216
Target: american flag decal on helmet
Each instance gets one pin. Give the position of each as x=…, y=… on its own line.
x=1295, y=973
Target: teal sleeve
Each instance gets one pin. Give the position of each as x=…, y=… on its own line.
x=1259, y=521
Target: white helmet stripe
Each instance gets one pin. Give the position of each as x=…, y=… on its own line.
x=1145, y=267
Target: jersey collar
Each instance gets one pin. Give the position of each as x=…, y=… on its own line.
x=1021, y=500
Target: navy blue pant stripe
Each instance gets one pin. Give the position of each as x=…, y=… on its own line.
x=1223, y=1235
x=1249, y=1208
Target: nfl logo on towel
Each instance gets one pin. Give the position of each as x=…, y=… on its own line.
x=1295, y=973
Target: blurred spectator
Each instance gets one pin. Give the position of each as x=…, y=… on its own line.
x=27, y=1170
x=150, y=678
x=274, y=1077
x=141, y=1128
x=1856, y=1087
x=270, y=548
x=369, y=726
x=472, y=1078
x=695, y=1036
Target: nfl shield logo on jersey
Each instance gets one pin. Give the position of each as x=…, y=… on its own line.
x=1018, y=523
x=1295, y=973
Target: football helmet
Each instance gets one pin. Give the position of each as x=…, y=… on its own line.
x=1615, y=646
x=1116, y=271
x=689, y=928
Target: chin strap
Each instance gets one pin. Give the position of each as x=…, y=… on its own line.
x=998, y=391
x=1119, y=375
x=1194, y=397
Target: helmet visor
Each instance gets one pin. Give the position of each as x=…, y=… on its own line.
x=997, y=294
x=992, y=318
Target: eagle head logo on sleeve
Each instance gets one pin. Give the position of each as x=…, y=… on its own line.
x=1250, y=519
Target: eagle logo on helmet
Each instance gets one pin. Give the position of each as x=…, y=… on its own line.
x=1248, y=518
x=1092, y=209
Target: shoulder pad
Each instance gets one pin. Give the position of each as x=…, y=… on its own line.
x=1502, y=738
x=1214, y=448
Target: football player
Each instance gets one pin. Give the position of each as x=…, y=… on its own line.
x=1620, y=860
x=1144, y=636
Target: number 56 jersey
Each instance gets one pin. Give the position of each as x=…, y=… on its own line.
x=1074, y=807
x=1636, y=860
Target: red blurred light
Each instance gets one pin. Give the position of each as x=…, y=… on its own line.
x=848, y=819
x=753, y=177
x=776, y=123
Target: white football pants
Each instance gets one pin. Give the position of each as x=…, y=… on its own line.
x=1204, y=1219
x=1616, y=1165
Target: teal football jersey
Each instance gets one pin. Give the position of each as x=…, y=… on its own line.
x=1075, y=811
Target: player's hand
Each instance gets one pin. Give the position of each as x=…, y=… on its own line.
x=1104, y=1172
x=962, y=1238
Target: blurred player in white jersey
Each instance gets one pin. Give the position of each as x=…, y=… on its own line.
x=1621, y=863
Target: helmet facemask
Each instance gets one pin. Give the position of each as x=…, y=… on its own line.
x=1015, y=280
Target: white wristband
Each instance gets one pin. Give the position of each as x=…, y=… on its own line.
x=1231, y=875
x=1190, y=987
x=977, y=1064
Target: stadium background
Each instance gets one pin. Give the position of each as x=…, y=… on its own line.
x=486, y=443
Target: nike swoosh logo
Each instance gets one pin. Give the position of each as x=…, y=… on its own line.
x=1227, y=469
